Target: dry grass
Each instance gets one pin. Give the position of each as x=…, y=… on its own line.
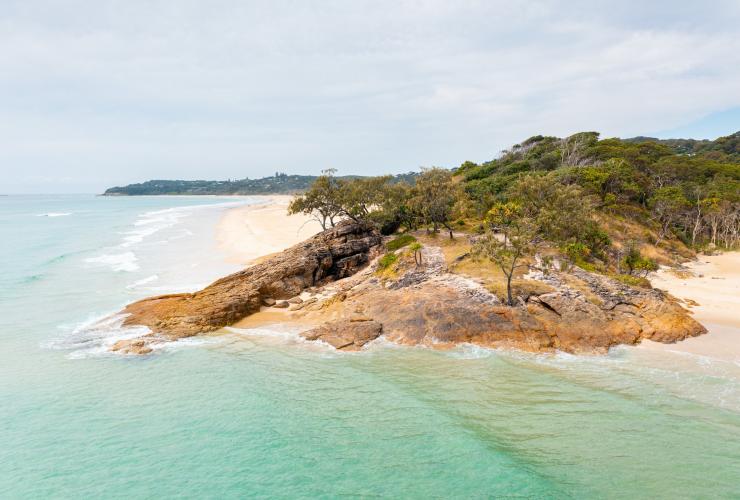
x=622, y=231
x=458, y=259
x=452, y=249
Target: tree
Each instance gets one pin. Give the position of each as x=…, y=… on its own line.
x=667, y=203
x=519, y=240
x=358, y=198
x=321, y=200
x=416, y=248
x=434, y=197
x=561, y=212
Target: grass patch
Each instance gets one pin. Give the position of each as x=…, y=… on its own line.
x=399, y=242
x=387, y=261
x=630, y=280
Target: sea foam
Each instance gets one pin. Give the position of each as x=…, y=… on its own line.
x=54, y=214
x=125, y=261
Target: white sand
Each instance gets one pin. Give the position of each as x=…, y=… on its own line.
x=246, y=233
x=716, y=288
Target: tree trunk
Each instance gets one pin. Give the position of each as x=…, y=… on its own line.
x=508, y=288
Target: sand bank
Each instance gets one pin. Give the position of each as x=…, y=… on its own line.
x=247, y=233
x=713, y=284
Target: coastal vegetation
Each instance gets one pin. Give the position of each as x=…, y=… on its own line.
x=612, y=206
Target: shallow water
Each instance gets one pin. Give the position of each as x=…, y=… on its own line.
x=261, y=413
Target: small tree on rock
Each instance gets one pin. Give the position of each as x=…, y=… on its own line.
x=519, y=239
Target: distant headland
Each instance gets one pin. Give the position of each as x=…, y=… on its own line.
x=280, y=183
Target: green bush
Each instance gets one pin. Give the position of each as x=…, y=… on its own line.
x=399, y=242
x=630, y=280
x=577, y=252
x=637, y=264
x=387, y=261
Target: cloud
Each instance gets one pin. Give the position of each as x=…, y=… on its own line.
x=116, y=92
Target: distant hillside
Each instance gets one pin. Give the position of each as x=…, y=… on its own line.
x=278, y=184
x=723, y=148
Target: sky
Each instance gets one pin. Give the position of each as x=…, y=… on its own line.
x=99, y=93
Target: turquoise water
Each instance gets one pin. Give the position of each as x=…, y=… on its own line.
x=258, y=413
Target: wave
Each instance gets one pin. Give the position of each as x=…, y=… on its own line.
x=155, y=221
x=94, y=336
x=118, y=262
x=143, y=281
x=54, y=214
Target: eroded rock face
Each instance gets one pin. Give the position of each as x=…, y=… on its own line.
x=331, y=255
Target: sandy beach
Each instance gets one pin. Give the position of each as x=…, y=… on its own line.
x=250, y=232
x=711, y=290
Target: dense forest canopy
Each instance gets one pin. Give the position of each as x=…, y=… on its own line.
x=686, y=189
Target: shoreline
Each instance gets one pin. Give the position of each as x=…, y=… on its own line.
x=709, y=287
x=250, y=233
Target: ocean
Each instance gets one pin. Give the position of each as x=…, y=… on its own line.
x=260, y=413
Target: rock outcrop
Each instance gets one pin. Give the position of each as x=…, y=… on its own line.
x=573, y=311
x=578, y=312
x=331, y=255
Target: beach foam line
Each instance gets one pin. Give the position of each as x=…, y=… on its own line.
x=143, y=281
x=118, y=262
x=149, y=223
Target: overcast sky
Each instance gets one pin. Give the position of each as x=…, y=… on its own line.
x=97, y=93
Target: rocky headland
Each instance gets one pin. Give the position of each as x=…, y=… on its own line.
x=332, y=280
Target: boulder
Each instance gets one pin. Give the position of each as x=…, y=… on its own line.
x=346, y=335
x=300, y=305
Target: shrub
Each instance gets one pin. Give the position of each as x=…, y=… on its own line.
x=577, y=252
x=399, y=242
x=636, y=263
x=630, y=280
